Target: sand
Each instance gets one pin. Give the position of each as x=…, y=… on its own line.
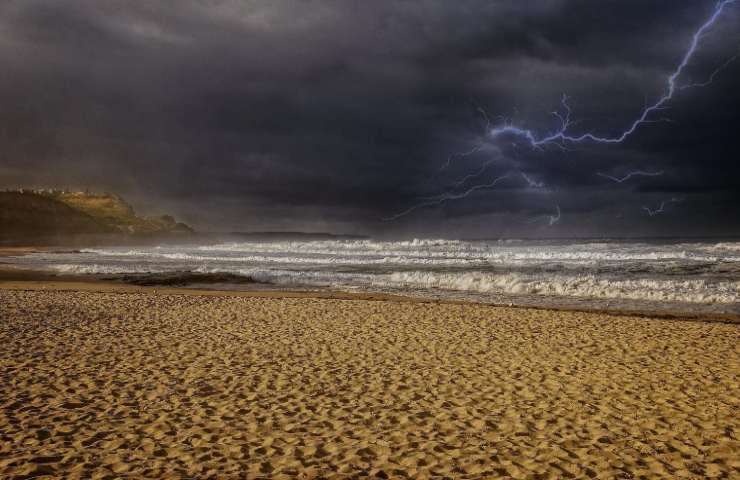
x=133, y=384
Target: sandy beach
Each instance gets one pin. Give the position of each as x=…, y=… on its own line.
x=129, y=383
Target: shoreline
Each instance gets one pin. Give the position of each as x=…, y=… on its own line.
x=23, y=279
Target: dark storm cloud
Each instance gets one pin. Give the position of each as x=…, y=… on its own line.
x=333, y=114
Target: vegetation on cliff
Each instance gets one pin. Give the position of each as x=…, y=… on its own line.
x=112, y=211
x=30, y=214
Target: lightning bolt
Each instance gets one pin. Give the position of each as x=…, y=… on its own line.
x=446, y=197
x=661, y=208
x=466, y=178
x=551, y=219
x=561, y=135
x=531, y=182
x=454, y=156
x=635, y=173
x=475, y=149
x=716, y=72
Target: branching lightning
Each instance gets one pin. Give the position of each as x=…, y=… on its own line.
x=475, y=149
x=716, y=72
x=636, y=173
x=655, y=212
x=471, y=176
x=561, y=135
x=531, y=182
x=452, y=157
x=551, y=219
x=661, y=208
x=445, y=197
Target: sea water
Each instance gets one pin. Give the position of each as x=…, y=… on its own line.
x=696, y=276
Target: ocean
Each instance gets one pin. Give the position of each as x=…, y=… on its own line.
x=685, y=276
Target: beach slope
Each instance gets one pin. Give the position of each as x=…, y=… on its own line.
x=156, y=385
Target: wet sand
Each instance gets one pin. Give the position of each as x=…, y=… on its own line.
x=131, y=383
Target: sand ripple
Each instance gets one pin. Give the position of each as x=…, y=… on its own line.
x=105, y=385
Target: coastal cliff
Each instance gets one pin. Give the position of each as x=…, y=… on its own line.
x=48, y=215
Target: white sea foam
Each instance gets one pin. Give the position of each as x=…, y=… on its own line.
x=697, y=291
x=591, y=286
x=423, y=252
x=685, y=272
x=725, y=246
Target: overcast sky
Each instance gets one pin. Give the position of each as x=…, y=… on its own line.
x=335, y=115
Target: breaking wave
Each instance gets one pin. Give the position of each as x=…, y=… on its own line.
x=618, y=271
x=694, y=291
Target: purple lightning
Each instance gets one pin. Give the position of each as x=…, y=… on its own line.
x=445, y=197
x=716, y=72
x=531, y=182
x=475, y=149
x=561, y=135
x=635, y=173
x=655, y=212
x=551, y=219
x=661, y=208
x=466, y=178
x=452, y=157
